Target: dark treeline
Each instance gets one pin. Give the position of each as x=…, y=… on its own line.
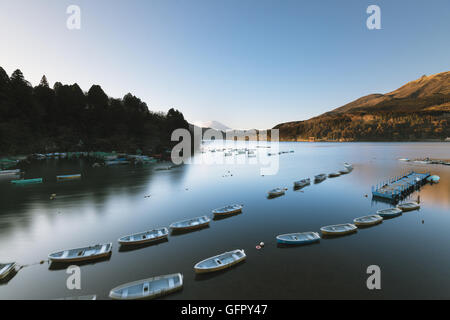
x=64, y=118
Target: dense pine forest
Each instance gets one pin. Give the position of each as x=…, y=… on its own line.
x=64, y=118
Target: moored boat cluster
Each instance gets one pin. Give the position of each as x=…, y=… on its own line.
x=161, y=285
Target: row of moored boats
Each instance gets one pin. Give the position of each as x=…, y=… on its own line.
x=307, y=181
x=346, y=228
x=152, y=287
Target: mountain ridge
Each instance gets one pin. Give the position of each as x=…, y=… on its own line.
x=418, y=110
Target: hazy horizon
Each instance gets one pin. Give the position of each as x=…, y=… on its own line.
x=250, y=64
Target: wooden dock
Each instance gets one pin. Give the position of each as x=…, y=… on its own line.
x=399, y=187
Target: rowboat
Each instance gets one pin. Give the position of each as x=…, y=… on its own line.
x=344, y=171
x=433, y=179
x=320, y=177
x=9, y=172
x=276, y=192
x=338, y=229
x=6, y=269
x=69, y=177
x=220, y=262
x=408, y=206
x=189, y=224
x=302, y=183
x=144, y=237
x=389, y=213
x=27, y=181
x=334, y=174
x=82, y=254
x=148, y=288
x=298, y=238
x=231, y=209
x=368, y=220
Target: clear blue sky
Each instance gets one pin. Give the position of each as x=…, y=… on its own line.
x=246, y=63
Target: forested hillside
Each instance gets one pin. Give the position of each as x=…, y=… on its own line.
x=64, y=118
x=419, y=110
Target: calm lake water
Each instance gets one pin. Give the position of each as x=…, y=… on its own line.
x=411, y=250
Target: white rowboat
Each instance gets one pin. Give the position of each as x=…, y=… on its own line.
x=220, y=262
x=148, y=288
x=408, y=206
x=338, y=229
x=82, y=254
x=144, y=237
x=189, y=224
x=368, y=220
x=231, y=209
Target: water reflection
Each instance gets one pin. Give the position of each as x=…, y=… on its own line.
x=110, y=202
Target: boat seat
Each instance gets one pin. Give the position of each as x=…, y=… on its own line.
x=171, y=283
x=103, y=249
x=65, y=254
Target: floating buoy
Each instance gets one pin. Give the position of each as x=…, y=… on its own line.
x=258, y=247
x=261, y=244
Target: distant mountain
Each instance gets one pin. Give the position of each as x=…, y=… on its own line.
x=212, y=124
x=418, y=110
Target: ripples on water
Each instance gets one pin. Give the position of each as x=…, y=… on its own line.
x=412, y=250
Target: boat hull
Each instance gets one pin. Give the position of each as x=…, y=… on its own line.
x=386, y=214
x=200, y=270
x=115, y=293
x=361, y=223
x=124, y=242
x=7, y=269
x=69, y=259
x=283, y=239
x=327, y=232
x=219, y=213
x=408, y=208
x=27, y=181
x=69, y=177
x=178, y=226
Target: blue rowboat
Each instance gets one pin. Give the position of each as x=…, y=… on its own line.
x=69, y=177
x=433, y=179
x=27, y=181
x=298, y=238
x=389, y=213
